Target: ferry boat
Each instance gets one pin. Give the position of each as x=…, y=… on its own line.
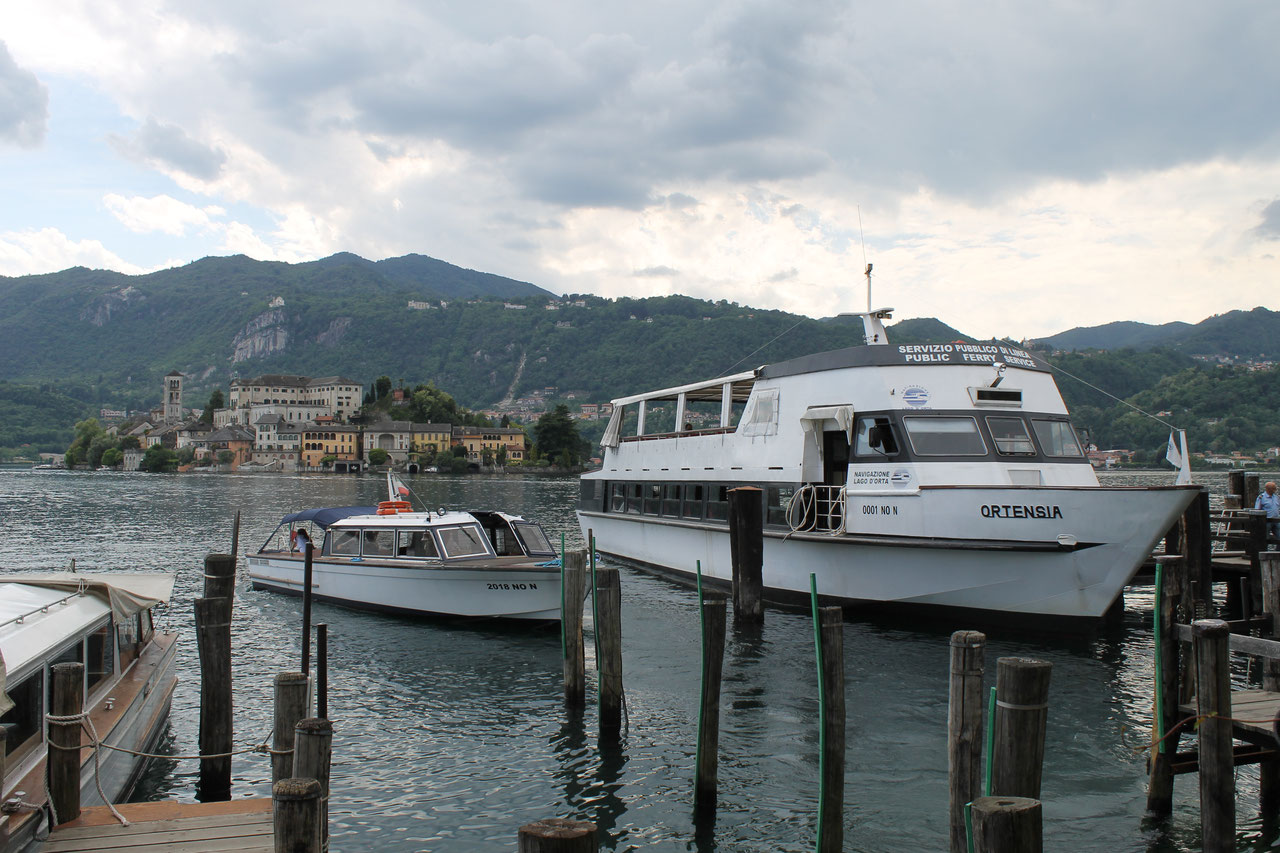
x=927, y=476
x=103, y=621
x=390, y=558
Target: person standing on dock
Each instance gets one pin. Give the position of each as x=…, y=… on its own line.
x=1268, y=500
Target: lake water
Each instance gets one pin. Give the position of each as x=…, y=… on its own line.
x=449, y=738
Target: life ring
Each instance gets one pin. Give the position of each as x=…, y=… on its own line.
x=393, y=507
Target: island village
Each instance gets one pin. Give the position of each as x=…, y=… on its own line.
x=289, y=423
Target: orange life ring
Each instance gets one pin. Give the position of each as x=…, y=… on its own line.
x=393, y=507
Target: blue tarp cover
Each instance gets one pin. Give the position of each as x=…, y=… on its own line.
x=324, y=516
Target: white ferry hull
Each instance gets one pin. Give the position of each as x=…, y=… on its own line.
x=1007, y=565
x=525, y=593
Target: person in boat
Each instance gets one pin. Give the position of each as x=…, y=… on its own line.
x=300, y=539
x=1269, y=502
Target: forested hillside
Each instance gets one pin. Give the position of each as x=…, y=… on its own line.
x=80, y=340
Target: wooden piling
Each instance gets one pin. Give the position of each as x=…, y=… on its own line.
x=831, y=817
x=1251, y=489
x=1195, y=546
x=705, y=783
x=746, y=547
x=1007, y=825
x=291, y=689
x=1022, y=711
x=1235, y=485
x=964, y=729
x=1269, y=771
x=1210, y=638
x=312, y=757
x=63, y=760
x=558, y=835
x=220, y=578
x=575, y=666
x=213, y=642
x=1165, y=717
x=297, y=815
x=235, y=539
x=609, y=635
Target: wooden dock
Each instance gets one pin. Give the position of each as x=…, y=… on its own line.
x=243, y=826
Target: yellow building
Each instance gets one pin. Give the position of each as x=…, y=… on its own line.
x=321, y=440
x=430, y=439
x=477, y=440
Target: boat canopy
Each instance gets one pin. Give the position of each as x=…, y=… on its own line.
x=324, y=516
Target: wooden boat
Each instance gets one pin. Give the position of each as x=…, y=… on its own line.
x=103, y=621
x=392, y=559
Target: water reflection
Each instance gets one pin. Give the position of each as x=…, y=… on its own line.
x=449, y=737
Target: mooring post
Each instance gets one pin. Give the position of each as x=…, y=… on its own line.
x=964, y=729
x=1269, y=771
x=297, y=815
x=1211, y=638
x=558, y=835
x=831, y=818
x=63, y=760
x=1007, y=825
x=1022, y=712
x=746, y=549
x=235, y=539
x=1196, y=546
x=1251, y=489
x=290, y=707
x=609, y=632
x=575, y=663
x=220, y=577
x=312, y=757
x=213, y=643
x=708, y=757
x=1164, y=718
x=1235, y=487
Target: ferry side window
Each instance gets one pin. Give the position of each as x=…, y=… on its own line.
x=1057, y=438
x=944, y=436
x=718, y=502
x=875, y=438
x=618, y=501
x=653, y=499
x=417, y=543
x=129, y=638
x=634, y=497
x=779, y=502
x=23, y=723
x=99, y=663
x=1010, y=436
x=671, y=499
x=692, y=500
x=379, y=543
x=346, y=543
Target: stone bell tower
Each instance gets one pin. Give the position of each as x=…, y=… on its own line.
x=173, y=398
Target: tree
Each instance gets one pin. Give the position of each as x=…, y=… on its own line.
x=226, y=457
x=381, y=387
x=378, y=456
x=326, y=461
x=112, y=457
x=186, y=455
x=501, y=458
x=159, y=458
x=215, y=402
x=557, y=437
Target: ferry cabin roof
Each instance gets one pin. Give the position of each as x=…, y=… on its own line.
x=980, y=408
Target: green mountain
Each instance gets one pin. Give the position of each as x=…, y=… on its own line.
x=80, y=340
x=1245, y=335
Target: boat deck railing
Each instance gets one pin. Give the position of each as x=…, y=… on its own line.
x=44, y=608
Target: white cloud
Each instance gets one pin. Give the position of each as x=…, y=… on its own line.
x=24, y=103
x=160, y=213
x=48, y=249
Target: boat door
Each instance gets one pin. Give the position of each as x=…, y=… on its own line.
x=835, y=457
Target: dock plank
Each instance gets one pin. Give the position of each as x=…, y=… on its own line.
x=238, y=826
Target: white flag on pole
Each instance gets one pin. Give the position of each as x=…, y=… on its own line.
x=1179, y=457
x=1172, y=454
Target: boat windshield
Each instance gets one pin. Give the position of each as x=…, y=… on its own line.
x=1057, y=438
x=465, y=541
x=534, y=539
x=945, y=436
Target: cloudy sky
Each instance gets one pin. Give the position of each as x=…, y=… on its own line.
x=1013, y=168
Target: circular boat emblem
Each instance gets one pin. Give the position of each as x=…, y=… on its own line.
x=914, y=395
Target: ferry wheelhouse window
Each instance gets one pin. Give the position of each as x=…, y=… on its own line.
x=875, y=438
x=1057, y=438
x=944, y=436
x=23, y=722
x=1011, y=437
x=417, y=543
x=466, y=541
x=345, y=543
